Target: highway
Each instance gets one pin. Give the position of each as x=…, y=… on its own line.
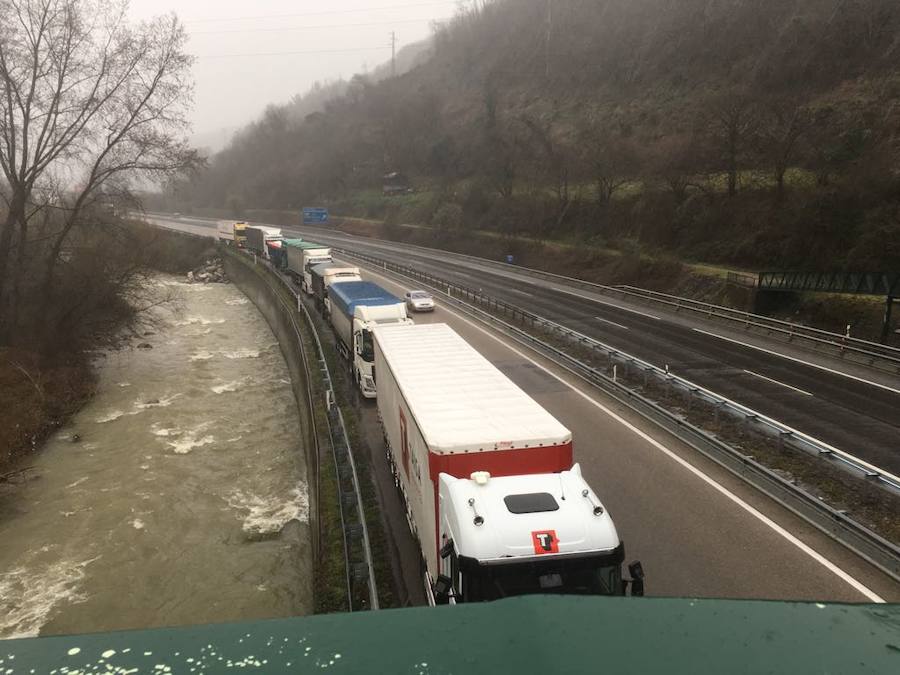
x=699, y=531
x=846, y=406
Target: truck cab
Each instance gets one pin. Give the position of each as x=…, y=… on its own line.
x=240, y=234
x=302, y=256
x=527, y=534
x=357, y=307
x=326, y=274
x=365, y=319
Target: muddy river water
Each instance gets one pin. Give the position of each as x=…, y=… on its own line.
x=184, y=498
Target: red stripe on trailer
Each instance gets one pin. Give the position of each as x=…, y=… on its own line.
x=547, y=459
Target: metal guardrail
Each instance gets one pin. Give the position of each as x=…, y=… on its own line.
x=837, y=524
x=785, y=434
x=842, y=343
x=356, y=534
x=869, y=353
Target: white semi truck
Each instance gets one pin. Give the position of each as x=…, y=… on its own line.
x=301, y=257
x=257, y=237
x=225, y=231
x=326, y=274
x=487, y=476
x=357, y=307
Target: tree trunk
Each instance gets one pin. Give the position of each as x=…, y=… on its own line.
x=15, y=215
x=15, y=277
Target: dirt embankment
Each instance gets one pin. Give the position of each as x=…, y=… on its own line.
x=35, y=400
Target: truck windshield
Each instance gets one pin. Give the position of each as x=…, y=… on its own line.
x=368, y=348
x=594, y=575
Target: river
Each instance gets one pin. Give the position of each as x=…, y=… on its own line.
x=183, y=498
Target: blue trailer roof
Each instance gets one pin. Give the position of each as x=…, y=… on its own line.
x=351, y=294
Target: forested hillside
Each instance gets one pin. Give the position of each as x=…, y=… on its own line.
x=754, y=132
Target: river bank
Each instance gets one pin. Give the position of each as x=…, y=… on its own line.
x=43, y=381
x=177, y=494
x=35, y=401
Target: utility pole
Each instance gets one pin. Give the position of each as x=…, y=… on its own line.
x=393, y=54
x=549, y=36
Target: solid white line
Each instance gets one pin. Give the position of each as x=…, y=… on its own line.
x=796, y=360
x=612, y=323
x=513, y=290
x=769, y=379
x=815, y=555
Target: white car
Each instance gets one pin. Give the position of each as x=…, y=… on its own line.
x=419, y=301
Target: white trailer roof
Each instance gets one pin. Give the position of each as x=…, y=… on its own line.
x=462, y=402
x=270, y=231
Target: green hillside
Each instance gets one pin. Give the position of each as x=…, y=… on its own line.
x=761, y=133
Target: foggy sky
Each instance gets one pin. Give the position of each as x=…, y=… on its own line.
x=233, y=90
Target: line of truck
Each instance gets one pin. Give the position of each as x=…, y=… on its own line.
x=486, y=474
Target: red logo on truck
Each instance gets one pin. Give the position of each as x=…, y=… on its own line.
x=545, y=541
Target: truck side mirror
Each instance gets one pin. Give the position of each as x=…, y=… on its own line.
x=441, y=589
x=637, y=578
x=447, y=549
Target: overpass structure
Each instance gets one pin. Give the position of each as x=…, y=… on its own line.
x=886, y=284
x=532, y=634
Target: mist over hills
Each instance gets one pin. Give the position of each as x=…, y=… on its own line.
x=758, y=132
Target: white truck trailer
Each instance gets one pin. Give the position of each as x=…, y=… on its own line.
x=303, y=255
x=487, y=476
x=225, y=231
x=326, y=274
x=258, y=236
x=357, y=307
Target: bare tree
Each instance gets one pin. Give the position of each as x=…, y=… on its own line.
x=674, y=161
x=86, y=101
x=782, y=126
x=610, y=159
x=731, y=121
x=552, y=163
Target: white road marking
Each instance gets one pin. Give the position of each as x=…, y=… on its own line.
x=608, y=304
x=775, y=527
x=769, y=379
x=611, y=323
x=796, y=360
x=513, y=290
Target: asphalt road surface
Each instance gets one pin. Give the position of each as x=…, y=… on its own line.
x=698, y=530
x=846, y=406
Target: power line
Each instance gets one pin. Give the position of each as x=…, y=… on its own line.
x=308, y=51
x=333, y=25
x=333, y=11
